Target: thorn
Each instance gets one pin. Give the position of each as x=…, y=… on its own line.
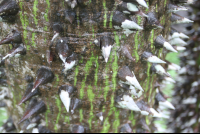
x=29, y=94
x=65, y=92
x=177, y=19
x=106, y=44
x=177, y=41
x=36, y=109
x=128, y=103
x=44, y=76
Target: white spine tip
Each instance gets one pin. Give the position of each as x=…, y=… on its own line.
x=169, y=47
x=154, y=59
x=33, y=90
x=155, y=113
x=101, y=118
x=167, y=104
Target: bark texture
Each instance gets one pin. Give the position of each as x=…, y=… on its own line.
x=95, y=80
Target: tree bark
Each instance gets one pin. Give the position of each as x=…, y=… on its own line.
x=95, y=80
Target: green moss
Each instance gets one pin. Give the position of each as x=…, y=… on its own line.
x=156, y=7
x=47, y=11
x=81, y=114
x=106, y=126
x=152, y=39
x=90, y=94
x=148, y=76
x=58, y=103
x=116, y=123
x=105, y=15
x=87, y=70
x=165, y=4
x=33, y=40
x=151, y=89
x=96, y=72
x=35, y=9
x=147, y=120
x=90, y=120
x=76, y=73
x=136, y=47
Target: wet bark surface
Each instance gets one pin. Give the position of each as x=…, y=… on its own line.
x=95, y=80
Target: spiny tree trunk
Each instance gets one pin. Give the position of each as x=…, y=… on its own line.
x=95, y=80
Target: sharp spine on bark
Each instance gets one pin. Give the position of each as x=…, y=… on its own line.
x=15, y=37
x=75, y=103
x=175, y=34
x=125, y=52
x=146, y=110
x=169, y=79
x=160, y=43
x=126, y=128
x=162, y=101
x=177, y=19
x=179, y=48
x=130, y=9
x=174, y=8
x=28, y=94
x=100, y=116
x=44, y=76
x=177, y=41
x=121, y=21
x=70, y=62
x=149, y=57
x=159, y=70
x=129, y=77
x=152, y=22
x=68, y=57
x=106, y=44
x=66, y=92
x=130, y=89
x=57, y=29
x=172, y=66
x=140, y=2
x=17, y=50
x=35, y=109
x=126, y=102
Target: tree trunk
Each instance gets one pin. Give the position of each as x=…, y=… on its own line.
x=95, y=80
